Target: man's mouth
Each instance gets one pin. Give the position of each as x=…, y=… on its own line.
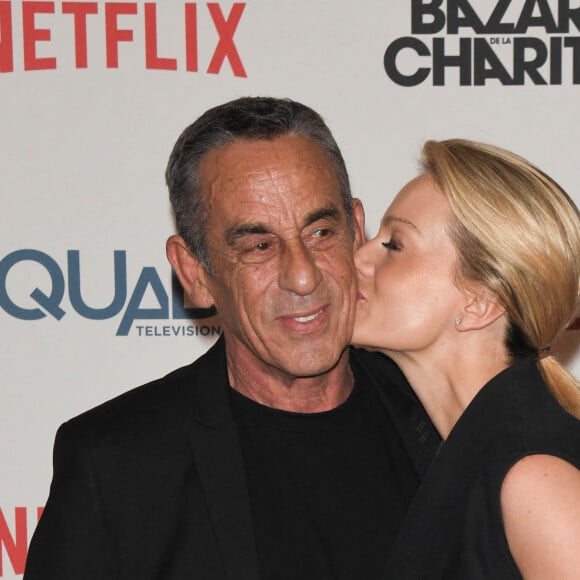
x=308, y=318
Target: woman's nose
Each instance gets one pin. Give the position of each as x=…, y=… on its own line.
x=362, y=259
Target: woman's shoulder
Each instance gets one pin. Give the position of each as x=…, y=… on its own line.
x=540, y=503
x=521, y=416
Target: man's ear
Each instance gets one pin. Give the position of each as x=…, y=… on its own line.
x=358, y=222
x=481, y=309
x=190, y=272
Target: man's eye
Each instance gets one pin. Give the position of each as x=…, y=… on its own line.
x=257, y=252
x=392, y=244
x=321, y=233
x=265, y=246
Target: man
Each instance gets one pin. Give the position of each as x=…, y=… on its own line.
x=278, y=454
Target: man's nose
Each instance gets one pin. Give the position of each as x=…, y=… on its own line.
x=299, y=272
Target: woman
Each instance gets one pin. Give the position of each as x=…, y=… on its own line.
x=474, y=272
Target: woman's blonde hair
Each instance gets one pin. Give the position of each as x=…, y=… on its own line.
x=517, y=233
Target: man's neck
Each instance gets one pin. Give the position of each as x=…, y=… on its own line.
x=277, y=389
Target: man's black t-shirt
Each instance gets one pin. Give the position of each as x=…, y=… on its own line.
x=328, y=490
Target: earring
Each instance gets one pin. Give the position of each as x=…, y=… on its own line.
x=458, y=320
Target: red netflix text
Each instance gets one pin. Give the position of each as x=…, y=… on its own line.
x=197, y=18
x=14, y=536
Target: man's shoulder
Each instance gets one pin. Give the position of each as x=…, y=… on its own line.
x=158, y=404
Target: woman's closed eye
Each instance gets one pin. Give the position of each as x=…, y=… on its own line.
x=392, y=244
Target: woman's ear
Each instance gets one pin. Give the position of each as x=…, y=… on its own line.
x=190, y=272
x=481, y=309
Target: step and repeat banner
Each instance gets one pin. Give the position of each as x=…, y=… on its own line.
x=93, y=94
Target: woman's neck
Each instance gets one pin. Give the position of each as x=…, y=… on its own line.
x=447, y=383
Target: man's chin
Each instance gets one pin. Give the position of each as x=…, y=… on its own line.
x=316, y=362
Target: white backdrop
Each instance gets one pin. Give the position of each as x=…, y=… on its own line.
x=93, y=96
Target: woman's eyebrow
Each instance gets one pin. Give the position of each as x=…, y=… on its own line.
x=393, y=218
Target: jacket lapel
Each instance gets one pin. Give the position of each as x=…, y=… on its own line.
x=218, y=459
x=408, y=416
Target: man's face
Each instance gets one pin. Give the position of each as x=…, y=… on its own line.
x=283, y=279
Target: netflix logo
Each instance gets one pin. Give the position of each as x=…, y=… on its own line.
x=34, y=27
x=14, y=536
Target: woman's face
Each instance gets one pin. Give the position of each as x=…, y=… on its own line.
x=408, y=300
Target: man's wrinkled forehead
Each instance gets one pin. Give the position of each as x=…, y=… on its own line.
x=249, y=170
